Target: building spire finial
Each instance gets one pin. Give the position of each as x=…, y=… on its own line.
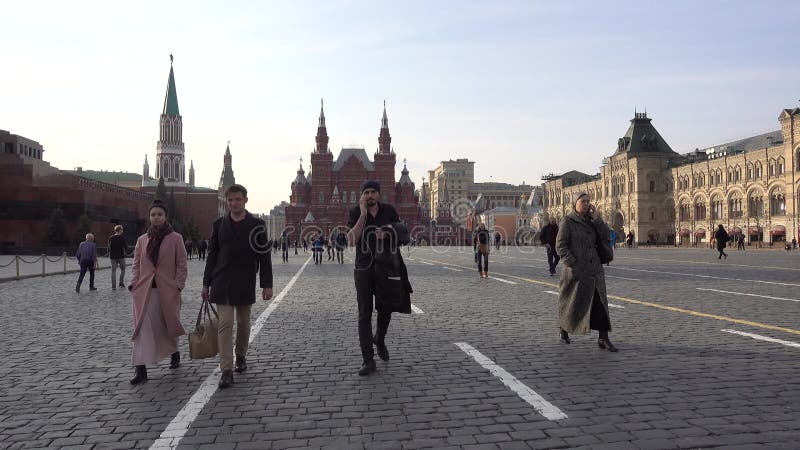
x=170, y=59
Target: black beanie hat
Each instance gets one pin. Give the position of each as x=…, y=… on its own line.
x=370, y=184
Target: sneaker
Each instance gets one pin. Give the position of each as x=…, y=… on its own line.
x=92, y=288
x=121, y=285
x=241, y=364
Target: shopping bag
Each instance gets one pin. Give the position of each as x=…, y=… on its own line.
x=203, y=339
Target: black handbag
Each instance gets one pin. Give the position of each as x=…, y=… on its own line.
x=604, y=249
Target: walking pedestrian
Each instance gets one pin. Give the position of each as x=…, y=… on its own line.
x=548, y=239
x=158, y=277
x=329, y=248
x=582, y=301
x=613, y=239
x=740, y=241
x=482, y=242
x=316, y=247
x=189, y=248
x=238, y=248
x=305, y=245
x=721, y=236
x=87, y=258
x=341, y=243
x=497, y=240
x=375, y=232
x=117, y=248
x=201, y=249
x=284, y=243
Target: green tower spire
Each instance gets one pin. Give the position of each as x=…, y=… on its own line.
x=171, y=99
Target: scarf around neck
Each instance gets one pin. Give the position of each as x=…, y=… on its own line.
x=156, y=235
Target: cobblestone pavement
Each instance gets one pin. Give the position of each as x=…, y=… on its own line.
x=679, y=381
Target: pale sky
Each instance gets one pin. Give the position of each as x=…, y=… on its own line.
x=521, y=88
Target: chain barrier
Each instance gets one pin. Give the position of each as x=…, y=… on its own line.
x=9, y=263
x=29, y=262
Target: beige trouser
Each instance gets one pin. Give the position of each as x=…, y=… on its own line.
x=225, y=333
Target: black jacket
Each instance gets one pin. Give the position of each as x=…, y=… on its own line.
x=117, y=247
x=548, y=235
x=234, y=258
x=392, y=287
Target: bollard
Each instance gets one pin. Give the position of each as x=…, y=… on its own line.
x=16, y=260
x=44, y=261
x=64, y=255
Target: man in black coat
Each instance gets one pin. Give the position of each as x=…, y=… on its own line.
x=548, y=239
x=238, y=248
x=372, y=231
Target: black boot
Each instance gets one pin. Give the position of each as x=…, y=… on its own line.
x=175, y=360
x=78, y=287
x=383, y=352
x=605, y=343
x=226, y=380
x=241, y=364
x=367, y=368
x=141, y=375
x=563, y=336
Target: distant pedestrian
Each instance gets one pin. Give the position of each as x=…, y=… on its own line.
x=721, y=236
x=629, y=239
x=613, y=239
x=482, y=242
x=158, y=277
x=305, y=245
x=87, y=258
x=317, y=248
x=582, y=300
x=341, y=243
x=189, y=248
x=329, y=248
x=740, y=241
x=548, y=240
x=238, y=249
x=497, y=238
x=794, y=243
x=284, y=244
x=117, y=248
x=202, y=245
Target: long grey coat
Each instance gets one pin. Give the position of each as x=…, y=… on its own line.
x=583, y=273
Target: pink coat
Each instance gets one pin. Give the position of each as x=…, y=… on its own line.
x=170, y=275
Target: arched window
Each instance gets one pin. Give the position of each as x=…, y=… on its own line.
x=777, y=204
x=735, y=206
x=780, y=166
x=716, y=208
x=755, y=205
x=700, y=210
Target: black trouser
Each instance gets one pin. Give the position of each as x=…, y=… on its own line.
x=86, y=265
x=340, y=256
x=285, y=254
x=201, y=254
x=365, y=291
x=552, y=259
x=483, y=258
x=598, y=318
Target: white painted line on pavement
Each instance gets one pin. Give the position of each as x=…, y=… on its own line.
x=450, y=268
x=544, y=407
x=416, y=310
x=551, y=292
x=763, y=338
x=704, y=276
x=622, y=278
x=178, y=427
x=749, y=295
x=500, y=279
x=427, y=263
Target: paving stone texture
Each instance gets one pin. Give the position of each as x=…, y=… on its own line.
x=677, y=382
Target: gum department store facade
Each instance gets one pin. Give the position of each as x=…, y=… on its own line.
x=750, y=186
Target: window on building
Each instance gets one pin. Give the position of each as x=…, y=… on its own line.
x=755, y=206
x=699, y=211
x=652, y=186
x=780, y=166
x=777, y=204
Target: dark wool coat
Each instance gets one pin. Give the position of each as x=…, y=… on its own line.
x=583, y=273
x=234, y=259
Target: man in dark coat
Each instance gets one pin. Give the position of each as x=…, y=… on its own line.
x=548, y=239
x=238, y=248
x=374, y=228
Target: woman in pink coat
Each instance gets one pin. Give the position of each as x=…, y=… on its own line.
x=159, y=274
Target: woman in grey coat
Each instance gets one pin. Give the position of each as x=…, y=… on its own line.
x=582, y=302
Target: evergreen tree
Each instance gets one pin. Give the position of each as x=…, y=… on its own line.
x=57, y=229
x=161, y=190
x=84, y=226
x=190, y=231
